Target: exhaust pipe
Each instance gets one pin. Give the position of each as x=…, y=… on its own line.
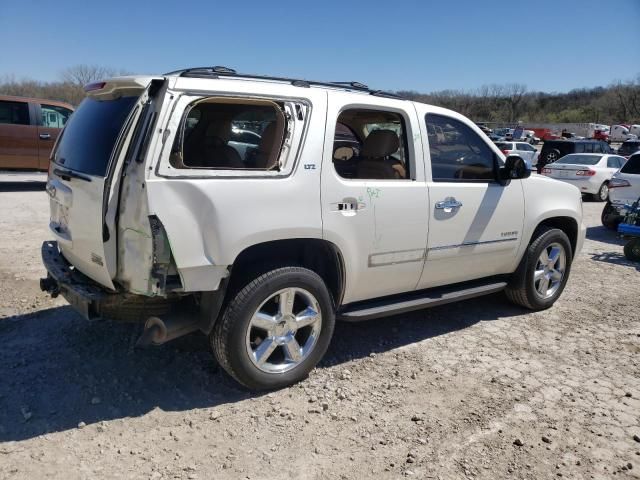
x=158, y=331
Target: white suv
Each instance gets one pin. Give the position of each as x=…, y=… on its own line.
x=345, y=208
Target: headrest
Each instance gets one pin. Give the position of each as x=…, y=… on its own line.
x=219, y=130
x=380, y=143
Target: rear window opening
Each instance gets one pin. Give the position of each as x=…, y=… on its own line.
x=91, y=133
x=632, y=166
x=580, y=159
x=231, y=134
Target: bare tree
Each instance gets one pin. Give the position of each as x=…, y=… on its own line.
x=83, y=74
x=514, y=95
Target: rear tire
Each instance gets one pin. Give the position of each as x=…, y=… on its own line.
x=603, y=193
x=267, y=338
x=527, y=287
x=632, y=250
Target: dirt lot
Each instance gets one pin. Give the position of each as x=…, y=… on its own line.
x=480, y=389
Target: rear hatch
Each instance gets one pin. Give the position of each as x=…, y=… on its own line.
x=82, y=172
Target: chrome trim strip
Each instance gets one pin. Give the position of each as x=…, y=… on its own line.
x=471, y=244
x=394, y=257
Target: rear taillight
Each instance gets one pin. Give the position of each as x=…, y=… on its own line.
x=586, y=173
x=546, y=171
x=90, y=87
x=506, y=152
x=618, y=182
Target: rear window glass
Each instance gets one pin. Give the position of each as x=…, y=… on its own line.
x=91, y=134
x=632, y=166
x=629, y=147
x=504, y=146
x=580, y=159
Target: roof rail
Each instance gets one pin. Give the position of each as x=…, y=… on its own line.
x=220, y=71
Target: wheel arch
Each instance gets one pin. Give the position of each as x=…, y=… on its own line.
x=568, y=225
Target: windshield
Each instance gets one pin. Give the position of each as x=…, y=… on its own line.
x=91, y=133
x=580, y=159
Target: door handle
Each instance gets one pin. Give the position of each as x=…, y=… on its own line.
x=448, y=204
x=45, y=136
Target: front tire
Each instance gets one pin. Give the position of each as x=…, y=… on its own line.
x=543, y=271
x=276, y=329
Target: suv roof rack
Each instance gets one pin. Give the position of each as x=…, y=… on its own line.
x=221, y=71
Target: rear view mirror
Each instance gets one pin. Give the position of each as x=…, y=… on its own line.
x=514, y=168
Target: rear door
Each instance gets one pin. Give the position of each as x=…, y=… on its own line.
x=18, y=135
x=85, y=164
x=51, y=119
x=630, y=172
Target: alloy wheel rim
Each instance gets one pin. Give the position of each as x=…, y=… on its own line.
x=284, y=330
x=550, y=270
x=604, y=192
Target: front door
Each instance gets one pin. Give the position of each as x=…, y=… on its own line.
x=374, y=194
x=18, y=136
x=475, y=224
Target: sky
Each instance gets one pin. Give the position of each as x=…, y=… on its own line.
x=428, y=45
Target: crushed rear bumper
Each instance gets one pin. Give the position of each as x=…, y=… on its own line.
x=81, y=292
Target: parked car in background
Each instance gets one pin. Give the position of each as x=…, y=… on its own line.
x=554, y=150
x=628, y=148
x=528, y=153
x=590, y=172
x=635, y=130
x=530, y=137
x=244, y=141
x=621, y=133
x=29, y=128
x=624, y=189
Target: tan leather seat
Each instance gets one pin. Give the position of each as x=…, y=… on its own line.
x=216, y=153
x=376, y=149
x=269, y=147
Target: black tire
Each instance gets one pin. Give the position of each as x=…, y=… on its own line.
x=229, y=334
x=552, y=156
x=632, y=250
x=603, y=193
x=610, y=218
x=521, y=289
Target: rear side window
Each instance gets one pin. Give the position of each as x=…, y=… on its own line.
x=54, y=116
x=459, y=154
x=91, y=134
x=231, y=134
x=632, y=166
x=14, y=113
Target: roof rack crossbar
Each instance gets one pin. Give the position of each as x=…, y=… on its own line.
x=219, y=71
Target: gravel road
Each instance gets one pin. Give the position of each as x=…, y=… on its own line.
x=479, y=389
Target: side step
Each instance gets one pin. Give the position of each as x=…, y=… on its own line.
x=396, y=304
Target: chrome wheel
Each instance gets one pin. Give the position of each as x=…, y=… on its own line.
x=550, y=270
x=551, y=157
x=284, y=330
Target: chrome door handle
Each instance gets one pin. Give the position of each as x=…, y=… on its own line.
x=448, y=204
x=45, y=136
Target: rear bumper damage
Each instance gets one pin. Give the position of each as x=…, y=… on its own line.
x=62, y=279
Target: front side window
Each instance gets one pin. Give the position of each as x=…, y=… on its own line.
x=54, y=116
x=459, y=154
x=632, y=165
x=371, y=144
x=231, y=134
x=14, y=113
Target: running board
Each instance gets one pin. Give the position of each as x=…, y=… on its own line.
x=416, y=301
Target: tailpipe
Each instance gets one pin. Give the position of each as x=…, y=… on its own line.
x=158, y=331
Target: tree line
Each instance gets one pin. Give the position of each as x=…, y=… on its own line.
x=618, y=102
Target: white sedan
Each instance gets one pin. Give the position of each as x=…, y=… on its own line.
x=528, y=153
x=590, y=172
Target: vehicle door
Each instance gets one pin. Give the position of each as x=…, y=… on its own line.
x=50, y=119
x=475, y=223
x=18, y=135
x=375, y=212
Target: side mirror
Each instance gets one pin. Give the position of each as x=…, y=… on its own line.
x=514, y=168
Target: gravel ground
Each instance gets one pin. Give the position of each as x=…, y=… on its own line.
x=480, y=389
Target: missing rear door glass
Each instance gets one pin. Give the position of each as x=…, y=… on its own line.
x=231, y=134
